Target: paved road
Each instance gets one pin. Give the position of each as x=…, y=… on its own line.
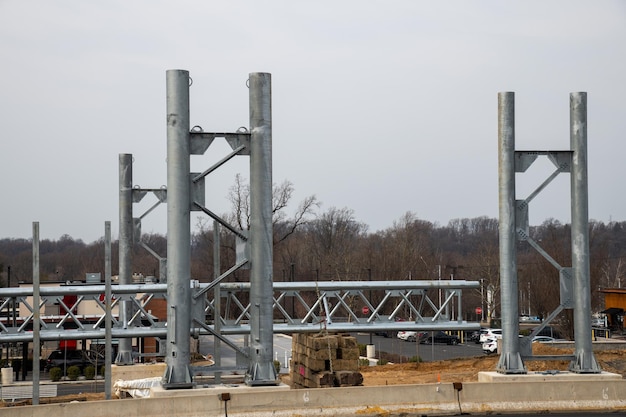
x=428, y=353
x=282, y=349
x=80, y=387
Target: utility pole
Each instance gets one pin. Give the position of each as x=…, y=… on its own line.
x=369, y=274
x=439, y=278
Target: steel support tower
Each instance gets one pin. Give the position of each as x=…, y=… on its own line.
x=513, y=225
x=184, y=196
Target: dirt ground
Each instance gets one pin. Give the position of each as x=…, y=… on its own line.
x=467, y=369
x=455, y=370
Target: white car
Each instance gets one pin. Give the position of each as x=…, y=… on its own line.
x=490, y=346
x=543, y=339
x=407, y=336
x=598, y=322
x=488, y=334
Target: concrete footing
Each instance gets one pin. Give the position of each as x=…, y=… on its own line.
x=214, y=390
x=136, y=371
x=546, y=376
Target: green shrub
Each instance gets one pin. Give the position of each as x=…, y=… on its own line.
x=416, y=359
x=364, y=362
x=102, y=370
x=362, y=349
x=90, y=372
x=277, y=367
x=56, y=374
x=382, y=362
x=73, y=372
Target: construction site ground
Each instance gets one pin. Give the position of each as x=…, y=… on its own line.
x=454, y=370
x=467, y=369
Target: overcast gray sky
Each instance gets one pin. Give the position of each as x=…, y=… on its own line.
x=382, y=107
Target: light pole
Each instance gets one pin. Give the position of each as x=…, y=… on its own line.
x=528, y=298
x=292, y=279
x=369, y=274
x=453, y=268
x=439, y=274
x=482, y=300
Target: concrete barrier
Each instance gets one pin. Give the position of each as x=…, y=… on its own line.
x=442, y=399
x=555, y=396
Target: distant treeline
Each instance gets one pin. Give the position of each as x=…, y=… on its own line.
x=335, y=246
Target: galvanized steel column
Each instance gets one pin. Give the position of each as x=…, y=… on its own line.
x=178, y=355
x=261, y=370
x=584, y=361
x=36, y=314
x=510, y=359
x=217, y=301
x=107, y=302
x=125, y=347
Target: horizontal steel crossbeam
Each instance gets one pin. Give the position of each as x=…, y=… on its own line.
x=299, y=307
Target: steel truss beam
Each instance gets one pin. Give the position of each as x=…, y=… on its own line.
x=337, y=306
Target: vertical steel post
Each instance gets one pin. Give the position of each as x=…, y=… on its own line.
x=177, y=374
x=584, y=361
x=510, y=359
x=217, y=301
x=36, y=315
x=261, y=370
x=108, y=351
x=125, y=346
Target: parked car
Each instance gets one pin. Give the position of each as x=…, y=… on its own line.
x=71, y=357
x=529, y=319
x=384, y=333
x=598, y=322
x=543, y=339
x=475, y=335
x=490, y=346
x=388, y=333
x=440, y=337
x=407, y=336
x=490, y=334
x=549, y=331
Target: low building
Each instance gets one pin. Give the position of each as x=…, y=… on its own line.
x=614, y=306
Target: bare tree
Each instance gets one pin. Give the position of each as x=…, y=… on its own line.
x=239, y=197
x=284, y=226
x=334, y=238
x=484, y=266
x=411, y=241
